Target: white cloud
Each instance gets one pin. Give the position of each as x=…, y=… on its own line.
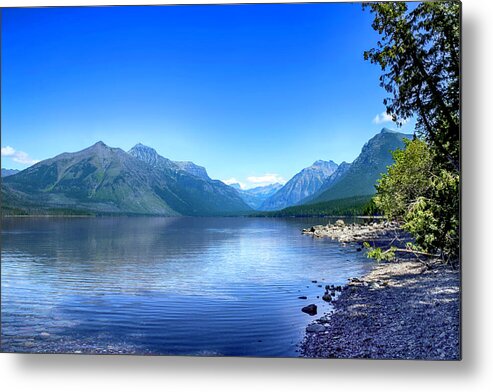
x=7, y=151
x=255, y=181
x=384, y=117
x=234, y=181
x=266, y=179
x=18, y=156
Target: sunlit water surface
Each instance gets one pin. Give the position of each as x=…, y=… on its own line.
x=189, y=286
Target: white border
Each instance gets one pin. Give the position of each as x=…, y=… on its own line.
x=94, y=373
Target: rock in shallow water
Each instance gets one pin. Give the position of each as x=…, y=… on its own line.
x=327, y=297
x=310, y=309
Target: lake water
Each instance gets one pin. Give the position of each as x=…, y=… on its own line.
x=188, y=286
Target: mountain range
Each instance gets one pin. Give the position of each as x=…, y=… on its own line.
x=359, y=178
x=102, y=179
x=326, y=181
x=304, y=184
x=9, y=172
x=254, y=197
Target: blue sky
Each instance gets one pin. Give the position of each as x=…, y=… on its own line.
x=254, y=93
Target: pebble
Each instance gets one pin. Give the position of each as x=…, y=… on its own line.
x=315, y=328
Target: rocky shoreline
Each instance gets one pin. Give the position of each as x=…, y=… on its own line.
x=381, y=233
x=400, y=310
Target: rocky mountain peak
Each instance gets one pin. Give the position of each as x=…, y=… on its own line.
x=142, y=147
x=99, y=149
x=387, y=130
x=359, y=178
x=193, y=169
x=9, y=172
x=98, y=146
x=145, y=153
x=320, y=164
x=304, y=184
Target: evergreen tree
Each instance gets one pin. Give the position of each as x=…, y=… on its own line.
x=419, y=53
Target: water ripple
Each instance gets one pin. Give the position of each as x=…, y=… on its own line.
x=195, y=286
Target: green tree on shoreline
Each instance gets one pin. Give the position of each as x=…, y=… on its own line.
x=423, y=196
x=419, y=54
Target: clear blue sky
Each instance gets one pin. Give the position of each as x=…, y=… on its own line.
x=244, y=90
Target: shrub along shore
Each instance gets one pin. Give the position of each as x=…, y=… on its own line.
x=402, y=309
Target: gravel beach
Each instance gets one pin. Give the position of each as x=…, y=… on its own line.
x=400, y=310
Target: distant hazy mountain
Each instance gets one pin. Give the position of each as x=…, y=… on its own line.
x=329, y=182
x=235, y=186
x=336, y=176
x=9, y=172
x=360, y=177
x=302, y=185
x=109, y=180
x=265, y=191
x=254, y=197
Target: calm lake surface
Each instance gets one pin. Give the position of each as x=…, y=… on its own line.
x=189, y=286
